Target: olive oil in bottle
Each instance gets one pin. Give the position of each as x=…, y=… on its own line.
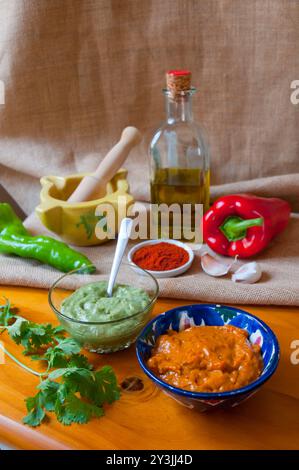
x=179, y=159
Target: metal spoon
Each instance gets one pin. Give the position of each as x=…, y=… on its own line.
x=122, y=241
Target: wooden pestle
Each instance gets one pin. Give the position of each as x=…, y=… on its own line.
x=94, y=186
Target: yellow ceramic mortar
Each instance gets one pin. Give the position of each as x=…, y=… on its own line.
x=75, y=222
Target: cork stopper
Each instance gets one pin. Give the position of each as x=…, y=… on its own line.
x=178, y=82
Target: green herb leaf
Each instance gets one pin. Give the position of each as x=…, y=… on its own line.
x=18, y=330
x=35, y=407
x=62, y=392
x=74, y=410
x=55, y=374
x=62, y=397
x=6, y=314
x=71, y=390
x=69, y=346
x=58, y=356
x=106, y=381
x=33, y=336
x=49, y=393
x=79, y=360
x=98, y=387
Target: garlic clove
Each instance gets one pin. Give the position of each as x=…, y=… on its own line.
x=248, y=273
x=214, y=267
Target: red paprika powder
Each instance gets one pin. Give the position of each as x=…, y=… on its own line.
x=161, y=256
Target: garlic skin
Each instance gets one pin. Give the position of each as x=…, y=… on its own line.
x=248, y=273
x=217, y=266
x=213, y=267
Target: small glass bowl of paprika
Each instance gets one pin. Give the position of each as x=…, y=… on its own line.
x=162, y=258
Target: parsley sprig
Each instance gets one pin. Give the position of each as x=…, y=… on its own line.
x=69, y=387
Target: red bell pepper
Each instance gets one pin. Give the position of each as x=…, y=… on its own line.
x=244, y=224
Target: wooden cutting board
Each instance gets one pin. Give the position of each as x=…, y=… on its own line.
x=148, y=419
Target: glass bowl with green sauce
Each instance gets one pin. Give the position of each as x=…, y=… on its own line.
x=100, y=323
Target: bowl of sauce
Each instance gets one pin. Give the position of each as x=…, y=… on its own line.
x=208, y=356
x=101, y=323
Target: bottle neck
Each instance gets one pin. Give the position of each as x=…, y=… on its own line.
x=179, y=109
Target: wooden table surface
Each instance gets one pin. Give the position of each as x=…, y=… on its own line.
x=149, y=419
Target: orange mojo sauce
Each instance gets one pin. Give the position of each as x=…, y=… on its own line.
x=206, y=358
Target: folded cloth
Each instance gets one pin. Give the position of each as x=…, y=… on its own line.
x=279, y=284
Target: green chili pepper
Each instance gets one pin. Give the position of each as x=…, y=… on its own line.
x=15, y=240
x=10, y=224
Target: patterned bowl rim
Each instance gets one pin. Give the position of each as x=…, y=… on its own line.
x=212, y=395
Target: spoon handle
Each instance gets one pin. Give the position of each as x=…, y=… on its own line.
x=122, y=241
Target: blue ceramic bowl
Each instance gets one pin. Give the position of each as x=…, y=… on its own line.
x=181, y=318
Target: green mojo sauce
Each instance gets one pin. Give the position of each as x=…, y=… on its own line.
x=90, y=303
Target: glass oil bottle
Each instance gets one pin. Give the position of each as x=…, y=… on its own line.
x=179, y=158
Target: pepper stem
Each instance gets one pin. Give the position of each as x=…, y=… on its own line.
x=235, y=228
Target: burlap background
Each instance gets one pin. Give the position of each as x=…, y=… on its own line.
x=77, y=71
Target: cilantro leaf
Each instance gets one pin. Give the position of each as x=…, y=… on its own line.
x=58, y=356
x=76, y=398
x=74, y=410
x=69, y=346
x=80, y=361
x=18, y=329
x=98, y=387
x=68, y=372
x=77, y=380
x=33, y=336
x=6, y=314
x=49, y=391
x=62, y=392
x=106, y=381
x=36, y=413
x=72, y=390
